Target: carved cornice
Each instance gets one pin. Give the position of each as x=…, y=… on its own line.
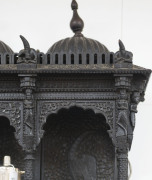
x=59, y=70
x=12, y=96
x=75, y=96
x=74, y=90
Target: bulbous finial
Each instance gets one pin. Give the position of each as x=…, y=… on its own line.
x=76, y=23
x=74, y=5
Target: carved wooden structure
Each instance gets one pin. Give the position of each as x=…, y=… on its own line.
x=70, y=113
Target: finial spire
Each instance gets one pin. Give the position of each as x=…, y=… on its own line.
x=76, y=23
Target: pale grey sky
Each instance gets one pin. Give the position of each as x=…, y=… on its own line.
x=43, y=22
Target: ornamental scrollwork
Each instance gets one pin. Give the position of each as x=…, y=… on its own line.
x=12, y=110
x=47, y=108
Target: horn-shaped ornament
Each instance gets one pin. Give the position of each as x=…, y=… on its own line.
x=121, y=45
x=123, y=57
x=27, y=49
x=25, y=43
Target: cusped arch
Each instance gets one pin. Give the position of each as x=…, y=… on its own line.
x=48, y=108
x=77, y=106
x=5, y=121
x=12, y=111
x=79, y=109
x=77, y=138
x=8, y=143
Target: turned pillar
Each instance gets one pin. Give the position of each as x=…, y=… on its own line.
x=28, y=86
x=122, y=84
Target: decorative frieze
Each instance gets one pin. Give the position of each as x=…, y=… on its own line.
x=75, y=95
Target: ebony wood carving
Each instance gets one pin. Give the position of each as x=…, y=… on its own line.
x=69, y=114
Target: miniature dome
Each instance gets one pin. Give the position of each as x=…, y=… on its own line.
x=77, y=44
x=5, y=48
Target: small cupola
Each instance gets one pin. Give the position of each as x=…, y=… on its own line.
x=4, y=48
x=78, y=49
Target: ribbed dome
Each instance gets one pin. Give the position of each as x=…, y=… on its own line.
x=5, y=48
x=78, y=45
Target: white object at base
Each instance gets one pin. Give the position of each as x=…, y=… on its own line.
x=7, y=161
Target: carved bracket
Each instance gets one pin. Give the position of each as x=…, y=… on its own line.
x=47, y=108
x=135, y=99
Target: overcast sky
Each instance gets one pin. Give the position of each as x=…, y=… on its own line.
x=43, y=22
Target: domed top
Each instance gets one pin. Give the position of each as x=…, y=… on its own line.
x=5, y=48
x=78, y=45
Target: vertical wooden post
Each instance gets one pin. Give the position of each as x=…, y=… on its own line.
x=29, y=160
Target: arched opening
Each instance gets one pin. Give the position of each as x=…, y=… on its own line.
x=80, y=58
x=41, y=58
x=56, y=59
x=76, y=145
x=7, y=59
x=48, y=59
x=103, y=59
x=15, y=58
x=111, y=58
x=95, y=58
x=87, y=59
x=64, y=58
x=72, y=58
x=9, y=145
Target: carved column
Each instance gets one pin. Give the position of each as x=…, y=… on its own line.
x=122, y=158
x=28, y=86
x=29, y=160
x=122, y=84
x=135, y=99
